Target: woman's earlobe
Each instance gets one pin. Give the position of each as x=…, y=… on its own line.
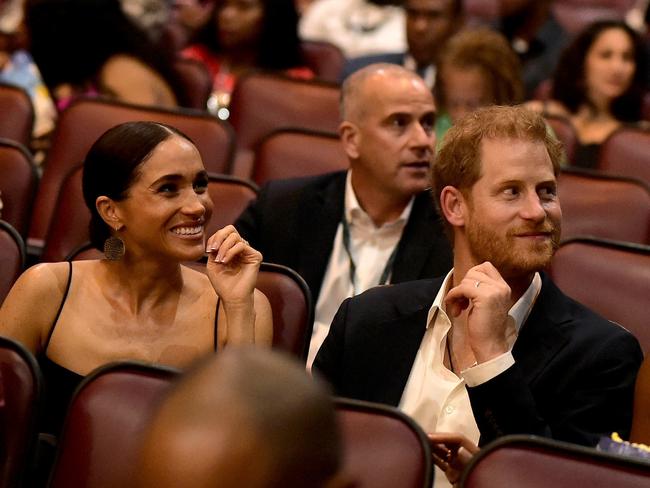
x=108, y=212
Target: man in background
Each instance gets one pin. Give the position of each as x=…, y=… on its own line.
x=374, y=224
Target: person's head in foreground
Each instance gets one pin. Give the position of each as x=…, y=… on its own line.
x=495, y=178
x=244, y=419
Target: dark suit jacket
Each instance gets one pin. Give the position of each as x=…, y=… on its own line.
x=356, y=64
x=573, y=377
x=293, y=222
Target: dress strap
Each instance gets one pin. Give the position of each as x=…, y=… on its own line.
x=58, y=313
x=216, y=321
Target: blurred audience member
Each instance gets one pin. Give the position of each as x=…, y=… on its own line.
x=244, y=418
x=477, y=68
x=245, y=35
x=17, y=67
x=90, y=47
x=358, y=27
x=149, y=15
x=598, y=85
x=429, y=24
x=191, y=17
x=535, y=35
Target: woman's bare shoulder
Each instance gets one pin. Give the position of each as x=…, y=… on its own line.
x=30, y=307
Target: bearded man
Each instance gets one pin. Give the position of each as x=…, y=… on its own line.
x=493, y=348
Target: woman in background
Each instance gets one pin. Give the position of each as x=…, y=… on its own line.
x=90, y=47
x=245, y=35
x=598, y=86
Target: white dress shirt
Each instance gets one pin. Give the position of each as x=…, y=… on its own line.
x=436, y=397
x=371, y=248
x=357, y=27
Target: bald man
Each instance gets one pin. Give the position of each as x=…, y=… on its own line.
x=374, y=224
x=244, y=419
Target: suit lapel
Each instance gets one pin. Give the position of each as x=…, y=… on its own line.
x=320, y=215
x=541, y=336
x=380, y=369
x=418, y=241
x=396, y=344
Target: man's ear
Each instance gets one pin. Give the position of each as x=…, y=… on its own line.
x=109, y=212
x=349, y=135
x=453, y=206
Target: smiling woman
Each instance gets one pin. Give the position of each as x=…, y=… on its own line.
x=146, y=188
x=598, y=85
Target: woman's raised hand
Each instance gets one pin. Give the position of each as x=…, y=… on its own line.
x=232, y=265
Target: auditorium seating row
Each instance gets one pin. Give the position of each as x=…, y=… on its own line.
x=383, y=447
x=279, y=140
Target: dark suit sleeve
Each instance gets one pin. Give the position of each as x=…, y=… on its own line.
x=249, y=223
x=329, y=360
x=590, y=397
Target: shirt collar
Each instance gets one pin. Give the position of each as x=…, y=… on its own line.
x=354, y=212
x=428, y=73
x=519, y=311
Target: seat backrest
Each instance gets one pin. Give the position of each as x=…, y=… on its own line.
x=604, y=206
x=230, y=196
x=532, y=462
x=70, y=220
x=196, y=82
x=12, y=257
x=565, y=133
x=292, y=307
x=263, y=102
x=641, y=415
x=18, y=182
x=575, y=15
x=105, y=423
x=17, y=114
x=81, y=124
x=20, y=393
x=611, y=278
x=626, y=152
x=383, y=447
x=325, y=59
x=289, y=153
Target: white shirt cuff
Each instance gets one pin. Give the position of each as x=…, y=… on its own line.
x=481, y=373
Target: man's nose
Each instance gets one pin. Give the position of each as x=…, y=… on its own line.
x=532, y=208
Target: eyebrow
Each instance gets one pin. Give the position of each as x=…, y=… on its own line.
x=178, y=177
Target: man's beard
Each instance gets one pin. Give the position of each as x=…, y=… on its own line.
x=513, y=256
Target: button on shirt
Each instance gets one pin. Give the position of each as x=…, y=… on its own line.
x=436, y=397
x=371, y=248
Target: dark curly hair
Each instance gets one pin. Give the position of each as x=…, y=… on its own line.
x=279, y=44
x=569, y=83
x=72, y=39
x=113, y=163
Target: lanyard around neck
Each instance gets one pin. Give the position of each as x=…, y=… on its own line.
x=383, y=279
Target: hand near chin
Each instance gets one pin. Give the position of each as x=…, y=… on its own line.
x=232, y=266
x=486, y=297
